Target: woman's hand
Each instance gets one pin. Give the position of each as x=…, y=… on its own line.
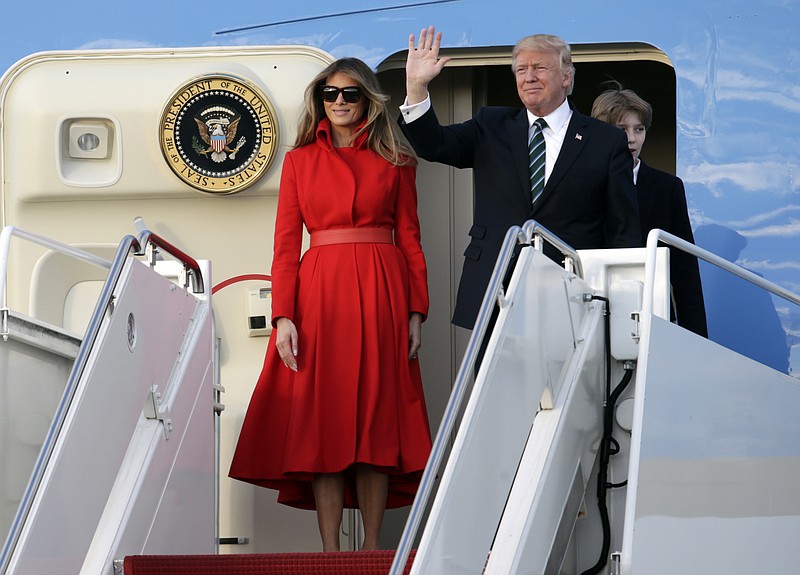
x=414, y=335
x=286, y=342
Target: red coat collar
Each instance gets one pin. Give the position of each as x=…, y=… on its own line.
x=324, y=134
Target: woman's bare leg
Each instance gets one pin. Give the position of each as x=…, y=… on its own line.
x=371, y=487
x=329, y=496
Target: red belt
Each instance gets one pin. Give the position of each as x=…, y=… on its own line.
x=351, y=236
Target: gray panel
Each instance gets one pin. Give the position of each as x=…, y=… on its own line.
x=719, y=461
x=35, y=362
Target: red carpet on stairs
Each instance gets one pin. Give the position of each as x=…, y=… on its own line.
x=345, y=562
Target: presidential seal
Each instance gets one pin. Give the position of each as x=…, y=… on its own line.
x=219, y=134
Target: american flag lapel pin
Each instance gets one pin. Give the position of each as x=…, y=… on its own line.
x=578, y=137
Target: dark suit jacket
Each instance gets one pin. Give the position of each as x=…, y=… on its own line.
x=662, y=205
x=588, y=202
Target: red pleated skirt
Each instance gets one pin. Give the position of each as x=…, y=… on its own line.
x=356, y=398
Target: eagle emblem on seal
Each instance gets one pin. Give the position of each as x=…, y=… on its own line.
x=217, y=128
x=219, y=133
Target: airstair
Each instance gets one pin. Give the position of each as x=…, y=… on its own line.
x=594, y=436
x=108, y=437
x=560, y=466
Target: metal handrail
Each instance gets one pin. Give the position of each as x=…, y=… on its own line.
x=147, y=238
x=655, y=236
x=128, y=246
x=536, y=231
x=128, y=243
x=531, y=231
x=5, y=246
x=513, y=236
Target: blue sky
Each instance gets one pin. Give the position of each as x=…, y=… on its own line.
x=37, y=25
x=45, y=25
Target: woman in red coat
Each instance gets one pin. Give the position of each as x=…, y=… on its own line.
x=338, y=416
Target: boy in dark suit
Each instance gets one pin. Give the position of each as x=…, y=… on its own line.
x=662, y=203
x=587, y=199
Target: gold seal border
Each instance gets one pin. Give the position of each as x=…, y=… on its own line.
x=245, y=175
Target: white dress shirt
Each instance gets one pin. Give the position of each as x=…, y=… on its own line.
x=557, y=122
x=554, y=133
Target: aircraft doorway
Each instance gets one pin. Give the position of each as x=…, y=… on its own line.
x=478, y=77
x=474, y=78
x=653, y=80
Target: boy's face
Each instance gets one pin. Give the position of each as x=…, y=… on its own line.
x=634, y=129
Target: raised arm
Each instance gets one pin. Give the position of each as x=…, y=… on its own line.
x=423, y=64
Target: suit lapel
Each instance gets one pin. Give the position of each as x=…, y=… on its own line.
x=518, y=132
x=575, y=139
x=644, y=190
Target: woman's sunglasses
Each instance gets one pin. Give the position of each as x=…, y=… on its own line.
x=351, y=94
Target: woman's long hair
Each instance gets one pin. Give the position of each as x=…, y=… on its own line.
x=384, y=138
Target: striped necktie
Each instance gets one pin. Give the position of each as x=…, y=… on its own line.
x=536, y=149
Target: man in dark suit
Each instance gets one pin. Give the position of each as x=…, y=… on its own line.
x=662, y=203
x=588, y=197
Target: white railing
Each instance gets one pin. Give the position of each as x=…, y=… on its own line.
x=146, y=244
x=657, y=235
x=531, y=233
x=5, y=246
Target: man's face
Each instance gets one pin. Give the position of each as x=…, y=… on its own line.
x=541, y=83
